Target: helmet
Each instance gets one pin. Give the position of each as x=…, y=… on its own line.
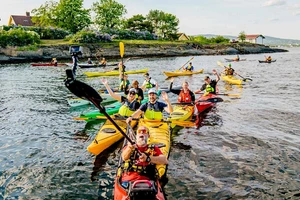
x=229, y=65
x=132, y=90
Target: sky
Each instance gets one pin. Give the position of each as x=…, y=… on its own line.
x=276, y=18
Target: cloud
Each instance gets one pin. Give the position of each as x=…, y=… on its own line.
x=273, y=19
x=274, y=3
x=296, y=5
x=296, y=13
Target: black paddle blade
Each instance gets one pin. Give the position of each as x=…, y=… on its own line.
x=83, y=91
x=212, y=100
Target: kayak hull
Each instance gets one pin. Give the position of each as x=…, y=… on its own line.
x=108, y=135
x=182, y=73
x=47, y=65
x=231, y=79
x=114, y=73
x=264, y=61
x=76, y=102
x=233, y=60
x=203, y=106
x=85, y=65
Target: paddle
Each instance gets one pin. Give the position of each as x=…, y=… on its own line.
x=186, y=63
x=224, y=94
x=121, y=44
x=212, y=100
x=244, y=79
x=85, y=91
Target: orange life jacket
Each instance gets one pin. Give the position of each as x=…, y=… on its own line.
x=184, y=97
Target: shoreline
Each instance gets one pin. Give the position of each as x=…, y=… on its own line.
x=61, y=52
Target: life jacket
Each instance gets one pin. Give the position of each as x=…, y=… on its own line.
x=229, y=71
x=148, y=170
x=127, y=109
x=149, y=84
x=153, y=112
x=208, y=89
x=189, y=67
x=121, y=86
x=184, y=97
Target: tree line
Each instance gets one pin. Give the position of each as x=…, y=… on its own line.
x=109, y=15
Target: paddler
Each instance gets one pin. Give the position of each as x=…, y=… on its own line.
x=129, y=103
x=228, y=70
x=140, y=159
x=54, y=61
x=153, y=109
x=149, y=82
x=210, y=85
x=190, y=67
x=127, y=83
x=140, y=92
x=269, y=59
x=237, y=58
x=185, y=94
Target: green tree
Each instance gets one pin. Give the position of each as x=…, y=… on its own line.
x=138, y=23
x=165, y=25
x=71, y=15
x=242, y=36
x=109, y=14
x=44, y=15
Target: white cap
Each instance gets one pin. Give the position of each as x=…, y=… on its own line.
x=132, y=90
x=152, y=91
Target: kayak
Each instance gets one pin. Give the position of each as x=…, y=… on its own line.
x=234, y=60
x=149, y=189
x=182, y=73
x=76, y=102
x=85, y=65
x=114, y=73
x=203, y=106
x=110, y=109
x=47, y=65
x=108, y=135
x=231, y=79
x=264, y=61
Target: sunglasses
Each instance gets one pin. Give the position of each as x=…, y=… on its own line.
x=144, y=131
x=133, y=93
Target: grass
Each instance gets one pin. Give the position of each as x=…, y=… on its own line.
x=28, y=48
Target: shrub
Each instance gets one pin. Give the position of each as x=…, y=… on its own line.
x=18, y=37
x=90, y=36
x=132, y=35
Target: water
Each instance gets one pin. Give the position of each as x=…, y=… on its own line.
x=247, y=148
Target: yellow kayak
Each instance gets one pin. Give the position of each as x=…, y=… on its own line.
x=115, y=73
x=183, y=73
x=231, y=79
x=159, y=133
x=108, y=135
x=181, y=113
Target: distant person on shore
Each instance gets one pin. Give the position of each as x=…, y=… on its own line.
x=54, y=61
x=190, y=67
x=89, y=61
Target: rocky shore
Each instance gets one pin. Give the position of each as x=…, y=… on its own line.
x=61, y=52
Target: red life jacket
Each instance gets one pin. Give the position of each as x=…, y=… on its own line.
x=184, y=97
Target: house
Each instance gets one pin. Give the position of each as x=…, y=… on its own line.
x=182, y=36
x=20, y=20
x=257, y=39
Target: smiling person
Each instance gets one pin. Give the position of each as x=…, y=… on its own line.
x=149, y=82
x=141, y=158
x=129, y=103
x=210, y=85
x=184, y=94
x=153, y=109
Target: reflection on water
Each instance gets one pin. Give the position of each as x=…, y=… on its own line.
x=247, y=147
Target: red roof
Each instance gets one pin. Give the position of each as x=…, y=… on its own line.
x=22, y=20
x=254, y=36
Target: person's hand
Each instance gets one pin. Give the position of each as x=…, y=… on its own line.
x=214, y=71
x=128, y=120
x=143, y=158
x=130, y=146
x=104, y=81
x=164, y=96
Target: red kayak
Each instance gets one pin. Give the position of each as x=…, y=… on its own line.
x=202, y=106
x=47, y=65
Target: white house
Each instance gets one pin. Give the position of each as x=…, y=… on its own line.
x=255, y=39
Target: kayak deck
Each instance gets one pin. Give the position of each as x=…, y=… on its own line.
x=182, y=73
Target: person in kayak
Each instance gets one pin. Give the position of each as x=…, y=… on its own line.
x=190, y=67
x=127, y=83
x=129, y=103
x=89, y=61
x=141, y=158
x=228, y=70
x=237, y=58
x=210, y=85
x=121, y=67
x=185, y=94
x=140, y=92
x=149, y=82
x=54, y=61
x=153, y=109
x=103, y=62
x=269, y=59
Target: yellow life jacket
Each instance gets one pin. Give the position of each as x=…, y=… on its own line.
x=229, y=71
x=208, y=90
x=127, y=109
x=149, y=84
x=153, y=112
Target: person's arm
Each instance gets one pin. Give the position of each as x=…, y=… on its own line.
x=111, y=93
x=127, y=151
x=134, y=115
x=169, y=107
x=174, y=90
x=201, y=89
x=217, y=75
x=198, y=91
x=192, y=96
